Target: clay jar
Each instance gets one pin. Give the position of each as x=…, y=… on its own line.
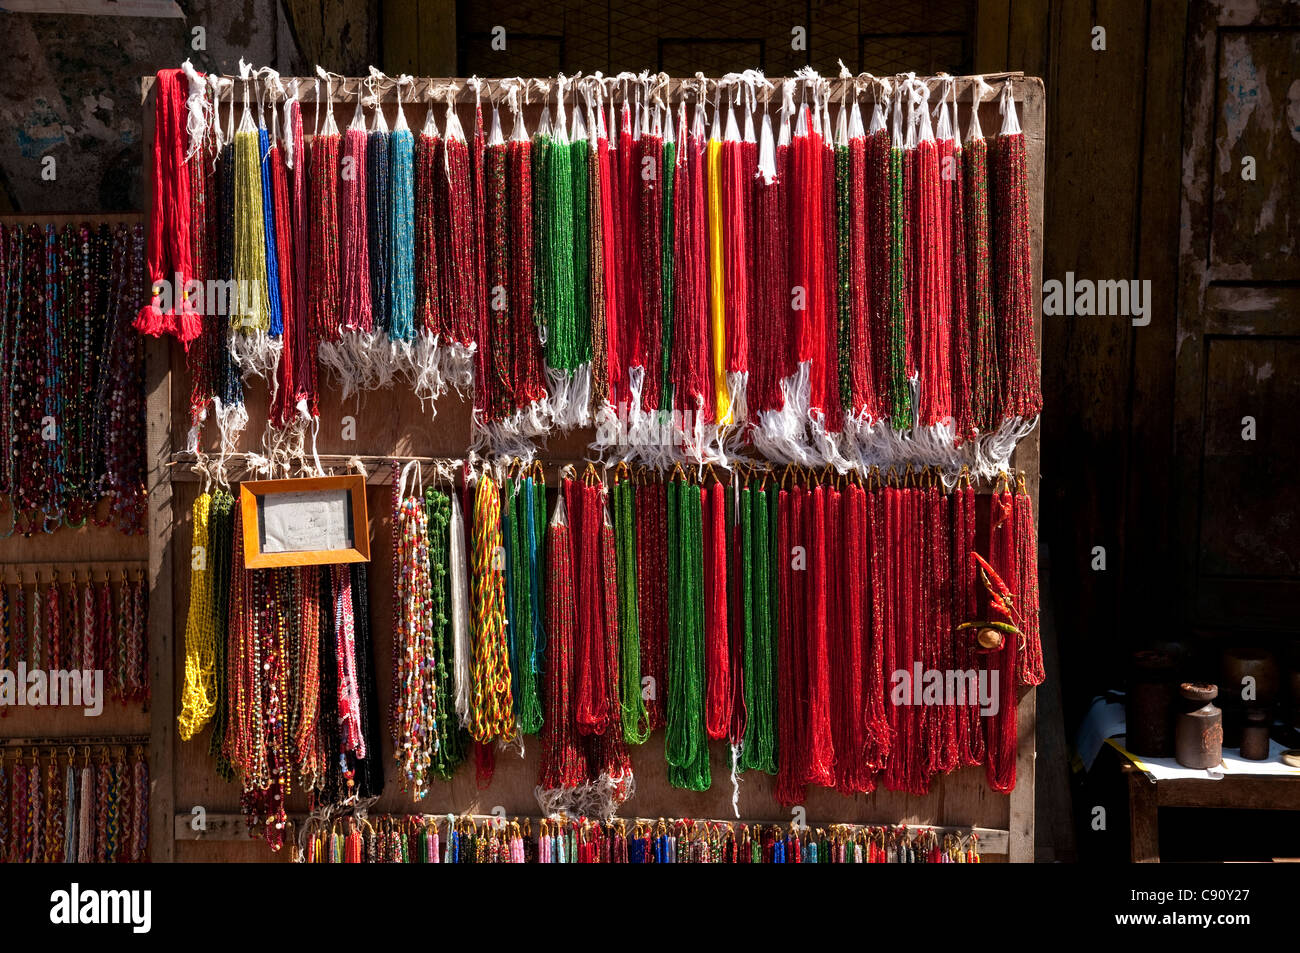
x=1198, y=734
x=1254, y=735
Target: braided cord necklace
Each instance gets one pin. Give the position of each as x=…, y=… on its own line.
x=449, y=748
x=491, y=711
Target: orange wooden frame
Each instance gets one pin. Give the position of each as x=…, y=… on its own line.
x=249, y=493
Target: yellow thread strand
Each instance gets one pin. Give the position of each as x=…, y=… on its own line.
x=199, y=694
x=253, y=311
x=717, y=282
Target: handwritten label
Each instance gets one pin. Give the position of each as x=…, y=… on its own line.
x=308, y=521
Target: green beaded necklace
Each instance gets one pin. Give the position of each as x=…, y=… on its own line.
x=686, y=743
x=635, y=717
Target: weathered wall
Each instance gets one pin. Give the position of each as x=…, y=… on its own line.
x=69, y=85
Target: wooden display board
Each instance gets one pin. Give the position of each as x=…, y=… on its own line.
x=392, y=425
x=97, y=548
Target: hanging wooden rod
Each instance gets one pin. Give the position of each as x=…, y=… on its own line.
x=79, y=741
x=348, y=89
x=95, y=568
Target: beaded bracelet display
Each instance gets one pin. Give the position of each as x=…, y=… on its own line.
x=449, y=839
x=74, y=804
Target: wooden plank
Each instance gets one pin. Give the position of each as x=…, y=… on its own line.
x=158, y=449
x=65, y=568
x=992, y=21
x=163, y=692
x=1144, y=818
x=1260, y=793
x=1021, y=807
x=1149, y=564
x=438, y=37
x=400, y=37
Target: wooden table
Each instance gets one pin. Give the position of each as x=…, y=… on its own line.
x=1240, y=792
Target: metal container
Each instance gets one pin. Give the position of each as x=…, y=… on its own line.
x=1198, y=734
x=1150, y=710
x=1249, y=671
x=1254, y=734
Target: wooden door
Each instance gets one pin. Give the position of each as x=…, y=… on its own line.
x=1238, y=343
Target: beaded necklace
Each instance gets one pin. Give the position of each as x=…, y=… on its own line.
x=449, y=747
x=717, y=659
x=562, y=766
x=400, y=296
x=429, y=307
x=954, y=200
x=1022, y=393
x=1030, y=668
x=378, y=204
x=771, y=292
x=931, y=268
x=414, y=705
x=651, y=511
x=759, y=748
x=690, y=349
x=198, y=696
x=524, y=626
x=1001, y=728
x=594, y=691
x=686, y=742
x=635, y=718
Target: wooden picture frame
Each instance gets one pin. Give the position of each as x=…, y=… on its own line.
x=310, y=512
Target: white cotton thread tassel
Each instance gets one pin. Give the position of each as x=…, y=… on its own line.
x=199, y=113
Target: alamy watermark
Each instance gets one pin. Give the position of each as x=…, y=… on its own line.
x=74, y=906
x=56, y=687
x=1085, y=297
x=930, y=686
x=214, y=298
